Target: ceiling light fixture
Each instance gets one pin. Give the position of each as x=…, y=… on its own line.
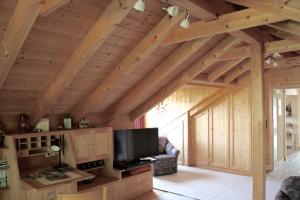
x=185, y=23
x=172, y=10
x=273, y=59
x=139, y=5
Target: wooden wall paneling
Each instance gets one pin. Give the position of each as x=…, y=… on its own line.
x=257, y=122
x=220, y=134
x=152, y=40
x=156, y=75
x=81, y=56
x=190, y=73
x=240, y=157
x=23, y=18
x=288, y=10
x=226, y=23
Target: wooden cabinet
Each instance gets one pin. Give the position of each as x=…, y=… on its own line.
x=136, y=185
x=90, y=145
x=48, y=193
x=221, y=134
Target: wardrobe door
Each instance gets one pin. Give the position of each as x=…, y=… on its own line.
x=200, y=138
x=220, y=134
x=241, y=131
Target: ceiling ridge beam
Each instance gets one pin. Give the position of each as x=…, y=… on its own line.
x=186, y=76
x=222, y=69
x=19, y=26
x=128, y=64
x=113, y=14
x=52, y=5
x=287, y=9
x=156, y=75
x=224, y=24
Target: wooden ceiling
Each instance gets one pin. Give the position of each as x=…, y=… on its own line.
x=104, y=57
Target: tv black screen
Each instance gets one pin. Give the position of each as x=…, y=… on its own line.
x=133, y=144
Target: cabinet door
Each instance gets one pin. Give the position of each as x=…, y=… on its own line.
x=220, y=135
x=67, y=188
x=113, y=190
x=101, y=145
x=82, y=146
x=200, y=138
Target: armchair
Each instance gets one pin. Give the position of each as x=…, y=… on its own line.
x=166, y=161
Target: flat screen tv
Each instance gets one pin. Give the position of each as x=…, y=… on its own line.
x=133, y=144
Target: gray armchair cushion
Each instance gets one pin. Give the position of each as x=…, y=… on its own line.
x=169, y=148
x=162, y=144
x=290, y=189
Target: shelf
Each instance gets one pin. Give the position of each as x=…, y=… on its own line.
x=92, y=169
x=97, y=182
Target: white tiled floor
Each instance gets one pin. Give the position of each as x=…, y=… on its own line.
x=203, y=184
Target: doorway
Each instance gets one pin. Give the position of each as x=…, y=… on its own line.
x=286, y=120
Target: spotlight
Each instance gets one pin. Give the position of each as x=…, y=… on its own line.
x=139, y=5
x=268, y=60
x=185, y=23
x=172, y=10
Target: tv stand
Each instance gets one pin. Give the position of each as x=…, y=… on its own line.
x=132, y=165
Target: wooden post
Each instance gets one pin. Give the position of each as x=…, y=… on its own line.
x=258, y=151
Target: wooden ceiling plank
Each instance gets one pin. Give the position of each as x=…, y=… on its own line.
x=205, y=82
x=101, y=29
x=246, y=36
x=52, y=5
x=201, y=9
x=220, y=70
x=224, y=24
x=288, y=26
x=186, y=76
x=235, y=53
x=156, y=75
x=128, y=64
x=20, y=24
x=287, y=9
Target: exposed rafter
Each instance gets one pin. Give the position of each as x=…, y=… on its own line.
x=101, y=29
x=286, y=9
x=288, y=26
x=245, y=67
x=186, y=76
x=221, y=69
x=23, y=18
x=156, y=75
x=206, y=82
x=149, y=43
x=281, y=46
x=224, y=24
x=282, y=34
x=51, y=5
x=235, y=53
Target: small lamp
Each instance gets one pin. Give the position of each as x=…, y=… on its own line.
x=139, y=5
x=185, y=23
x=55, y=147
x=172, y=10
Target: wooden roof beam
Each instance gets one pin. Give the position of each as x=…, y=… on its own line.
x=286, y=9
x=52, y=5
x=19, y=26
x=186, y=76
x=245, y=67
x=156, y=75
x=288, y=26
x=224, y=24
x=222, y=69
x=201, y=9
x=282, y=34
x=149, y=43
x=101, y=29
x=206, y=82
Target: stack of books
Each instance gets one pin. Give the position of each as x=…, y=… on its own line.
x=3, y=174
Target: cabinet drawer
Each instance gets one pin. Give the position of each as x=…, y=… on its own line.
x=138, y=178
